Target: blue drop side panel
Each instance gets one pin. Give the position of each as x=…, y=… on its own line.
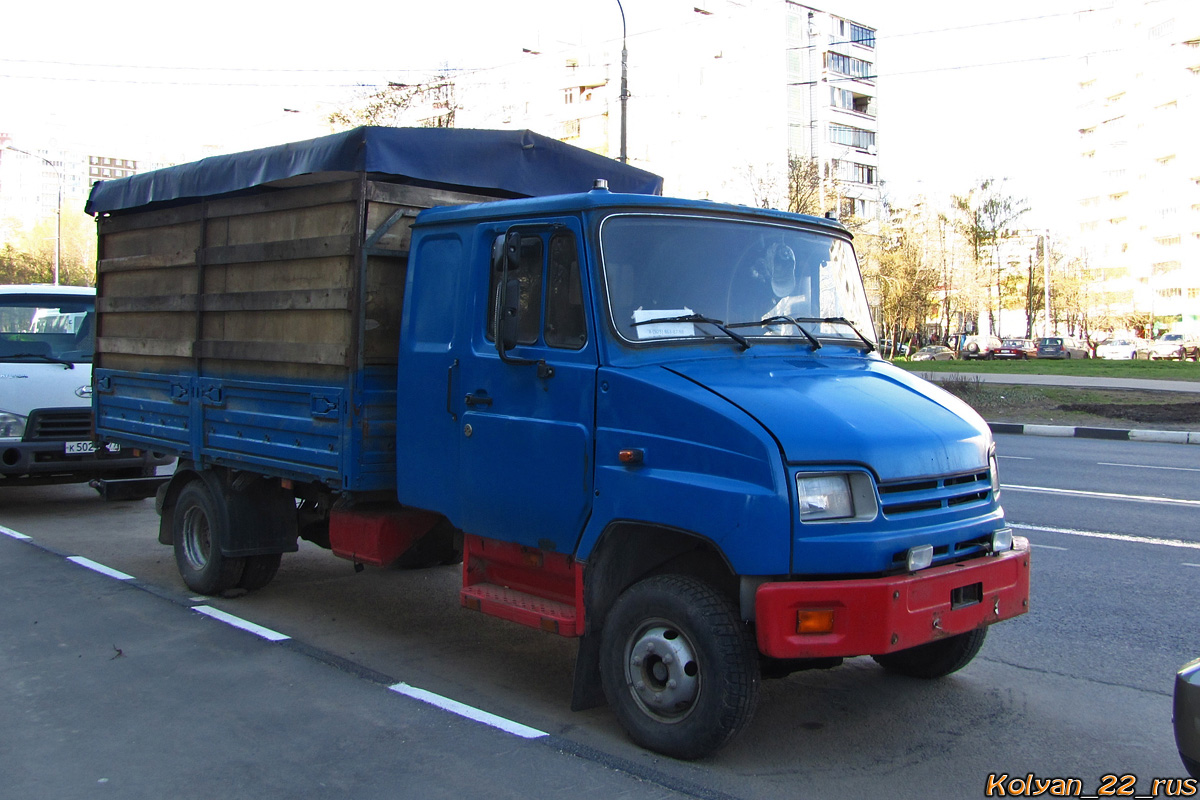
x=150, y=410
x=344, y=436
x=374, y=431
x=272, y=426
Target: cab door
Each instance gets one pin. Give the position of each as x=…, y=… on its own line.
x=527, y=420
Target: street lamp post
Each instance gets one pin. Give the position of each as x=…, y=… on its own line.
x=58, y=214
x=624, y=84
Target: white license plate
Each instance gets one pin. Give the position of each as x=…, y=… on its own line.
x=81, y=448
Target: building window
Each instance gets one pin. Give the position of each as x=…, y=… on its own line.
x=852, y=137
x=571, y=129
x=861, y=35
x=851, y=101
x=845, y=65
x=854, y=172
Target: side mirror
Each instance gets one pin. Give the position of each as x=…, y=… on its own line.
x=508, y=316
x=506, y=256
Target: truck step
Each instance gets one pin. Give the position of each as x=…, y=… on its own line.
x=516, y=606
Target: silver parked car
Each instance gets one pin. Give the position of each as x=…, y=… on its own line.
x=933, y=352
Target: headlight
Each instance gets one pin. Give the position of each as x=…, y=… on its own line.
x=12, y=426
x=834, y=496
x=994, y=474
x=825, y=497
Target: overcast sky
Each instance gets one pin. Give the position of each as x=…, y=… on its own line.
x=967, y=90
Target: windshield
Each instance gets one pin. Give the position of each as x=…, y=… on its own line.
x=673, y=278
x=53, y=328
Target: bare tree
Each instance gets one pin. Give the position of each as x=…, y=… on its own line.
x=985, y=220
x=433, y=104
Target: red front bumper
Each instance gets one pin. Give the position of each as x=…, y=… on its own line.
x=881, y=615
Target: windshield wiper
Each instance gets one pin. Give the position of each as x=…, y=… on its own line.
x=780, y=319
x=841, y=321
x=742, y=341
x=42, y=356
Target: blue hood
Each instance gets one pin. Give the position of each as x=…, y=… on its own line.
x=828, y=411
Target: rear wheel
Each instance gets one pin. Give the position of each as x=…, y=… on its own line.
x=198, y=525
x=936, y=659
x=260, y=570
x=679, y=666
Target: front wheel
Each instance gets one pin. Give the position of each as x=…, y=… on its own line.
x=935, y=659
x=679, y=666
x=199, y=524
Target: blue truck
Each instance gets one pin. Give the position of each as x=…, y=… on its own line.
x=657, y=425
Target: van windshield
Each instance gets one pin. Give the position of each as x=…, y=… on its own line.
x=54, y=328
x=673, y=277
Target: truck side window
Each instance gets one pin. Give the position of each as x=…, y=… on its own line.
x=565, y=320
x=529, y=273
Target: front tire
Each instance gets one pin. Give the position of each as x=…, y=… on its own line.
x=199, y=525
x=679, y=666
x=935, y=659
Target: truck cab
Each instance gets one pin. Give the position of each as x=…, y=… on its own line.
x=47, y=338
x=657, y=387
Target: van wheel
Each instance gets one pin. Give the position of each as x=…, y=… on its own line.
x=198, y=525
x=936, y=659
x=679, y=666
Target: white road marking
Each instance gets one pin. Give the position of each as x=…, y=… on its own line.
x=1119, y=537
x=1018, y=458
x=1047, y=547
x=1148, y=466
x=470, y=712
x=13, y=534
x=1186, y=564
x=238, y=622
x=1169, y=501
x=103, y=570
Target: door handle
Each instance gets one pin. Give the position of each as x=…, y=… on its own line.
x=479, y=398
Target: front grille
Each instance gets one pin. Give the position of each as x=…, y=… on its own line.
x=934, y=494
x=59, y=425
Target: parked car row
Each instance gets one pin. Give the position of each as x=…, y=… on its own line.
x=1174, y=346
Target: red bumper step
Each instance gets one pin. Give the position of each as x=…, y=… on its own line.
x=534, y=587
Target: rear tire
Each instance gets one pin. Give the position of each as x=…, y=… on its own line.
x=199, y=524
x=935, y=659
x=679, y=666
x=260, y=570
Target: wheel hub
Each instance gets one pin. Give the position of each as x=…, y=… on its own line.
x=662, y=671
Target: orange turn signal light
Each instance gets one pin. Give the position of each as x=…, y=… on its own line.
x=814, y=621
x=631, y=456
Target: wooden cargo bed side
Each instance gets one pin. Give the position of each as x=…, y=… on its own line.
x=265, y=324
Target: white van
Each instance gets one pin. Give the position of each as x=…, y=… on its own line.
x=47, y=335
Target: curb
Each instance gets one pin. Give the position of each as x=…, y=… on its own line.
x=1117, y=434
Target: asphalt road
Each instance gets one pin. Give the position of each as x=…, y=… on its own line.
x=121, y=681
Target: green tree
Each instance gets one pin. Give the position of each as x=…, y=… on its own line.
x=28, y=253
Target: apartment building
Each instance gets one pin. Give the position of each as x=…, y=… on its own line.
x=832, y=103
x=721, y=94
x=1140, y=198
x=104, y=168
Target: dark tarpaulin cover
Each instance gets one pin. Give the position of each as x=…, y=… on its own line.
x=512, y=163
